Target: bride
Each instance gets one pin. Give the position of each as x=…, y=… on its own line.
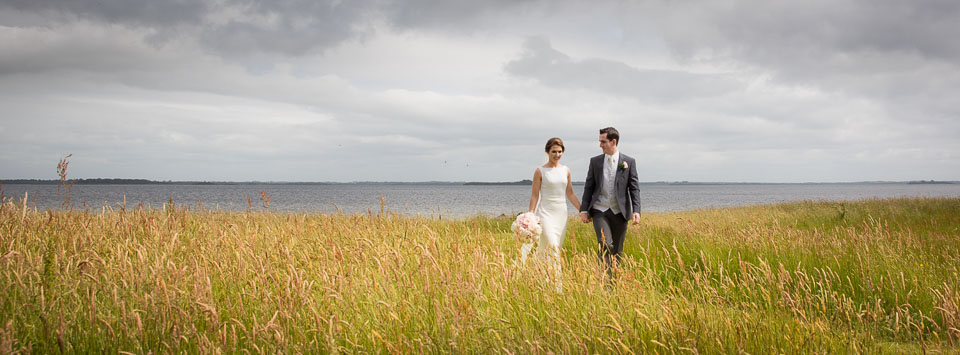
x=551, y=187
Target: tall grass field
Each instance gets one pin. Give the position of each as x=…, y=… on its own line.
x=874, y=276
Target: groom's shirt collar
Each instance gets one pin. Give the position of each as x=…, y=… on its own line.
x=616, y=157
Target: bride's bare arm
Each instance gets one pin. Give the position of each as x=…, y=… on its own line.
x=571, y=196
x=535, y=191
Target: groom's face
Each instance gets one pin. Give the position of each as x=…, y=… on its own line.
x=608, y=146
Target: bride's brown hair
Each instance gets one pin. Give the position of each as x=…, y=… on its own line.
x=552, y=142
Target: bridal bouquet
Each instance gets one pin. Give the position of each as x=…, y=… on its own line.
x=527, y=227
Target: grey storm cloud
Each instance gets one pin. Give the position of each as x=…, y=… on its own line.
x=289, y=27
x=896, y=53
x=449, y=14
x=815, y=33
x=134, y=12
x=882, y=48
x=229, y=27
x=541, y=62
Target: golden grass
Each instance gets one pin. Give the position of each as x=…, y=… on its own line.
x=866, y=276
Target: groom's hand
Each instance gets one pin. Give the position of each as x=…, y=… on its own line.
x=636, y=218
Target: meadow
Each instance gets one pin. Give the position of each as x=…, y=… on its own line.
x=804, y=277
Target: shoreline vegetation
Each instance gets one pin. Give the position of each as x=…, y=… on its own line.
x=117, y=181
x=864, y=276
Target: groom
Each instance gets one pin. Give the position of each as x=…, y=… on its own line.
x=611, y=196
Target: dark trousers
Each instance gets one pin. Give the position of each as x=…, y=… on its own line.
x=611, y=231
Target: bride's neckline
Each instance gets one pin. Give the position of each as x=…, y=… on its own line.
x=547, y=167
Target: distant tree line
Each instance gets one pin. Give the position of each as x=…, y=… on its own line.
x=521, y=182
x=83, y=181
x=101, y=181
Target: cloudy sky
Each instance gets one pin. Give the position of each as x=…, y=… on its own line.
x=454, y=90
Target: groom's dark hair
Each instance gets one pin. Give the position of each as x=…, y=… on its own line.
x=612, y=134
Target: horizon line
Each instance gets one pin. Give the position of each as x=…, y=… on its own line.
x=515, y=182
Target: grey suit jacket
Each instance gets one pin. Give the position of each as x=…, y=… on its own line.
x=627, y=185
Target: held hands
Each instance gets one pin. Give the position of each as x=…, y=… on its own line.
x=585, y=218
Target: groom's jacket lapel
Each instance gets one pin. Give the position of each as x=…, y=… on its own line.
x=598, y=169
x=619, y=176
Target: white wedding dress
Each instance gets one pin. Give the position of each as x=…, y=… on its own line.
x=552, y=210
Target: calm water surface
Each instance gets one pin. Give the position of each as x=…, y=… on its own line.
x=445, y=200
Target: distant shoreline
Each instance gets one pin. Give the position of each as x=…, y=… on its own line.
x=102, y=181
x=521, y=182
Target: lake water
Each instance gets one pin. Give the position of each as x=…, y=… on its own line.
x=445, y=200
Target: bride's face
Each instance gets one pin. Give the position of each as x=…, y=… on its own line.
x=555, y=153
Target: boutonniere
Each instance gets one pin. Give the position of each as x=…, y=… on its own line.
x=623, y=165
